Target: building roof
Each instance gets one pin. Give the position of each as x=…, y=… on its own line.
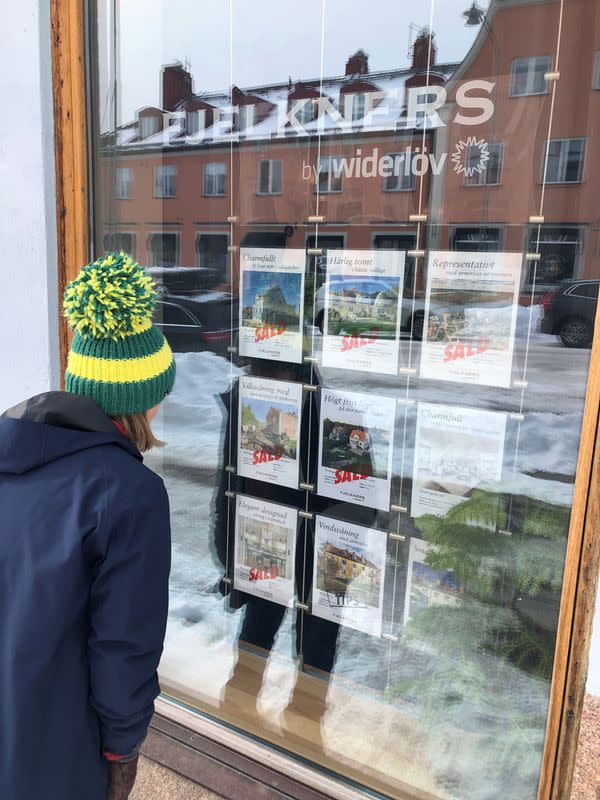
x=389, y=113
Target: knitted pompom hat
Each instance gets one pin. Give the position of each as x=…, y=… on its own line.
x=117, y=356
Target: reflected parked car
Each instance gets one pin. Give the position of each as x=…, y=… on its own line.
x=569, y=312
x=183, y=280
x=197, y=322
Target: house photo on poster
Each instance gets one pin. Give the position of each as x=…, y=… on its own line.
x=457, y=450
x=470, y=317
x=265, y=547
x=427, y=587
x=269, y=430
x=271, y=303
x=363, y=293
x=348, y=574
x=355, y=448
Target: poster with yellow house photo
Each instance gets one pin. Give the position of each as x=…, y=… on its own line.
x=348, y=574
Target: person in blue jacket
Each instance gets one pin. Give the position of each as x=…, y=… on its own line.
x=85, y=551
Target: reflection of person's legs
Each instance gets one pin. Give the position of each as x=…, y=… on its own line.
x=259, y=628
x=262, y=619
x=308, y=701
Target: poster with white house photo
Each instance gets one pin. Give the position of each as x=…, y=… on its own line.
x=355, y=448
x=271, y=303
x=363, y=295
x=457, y=449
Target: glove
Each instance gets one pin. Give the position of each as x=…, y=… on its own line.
x=121, y=777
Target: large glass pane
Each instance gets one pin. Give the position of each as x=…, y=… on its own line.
x=377, y=267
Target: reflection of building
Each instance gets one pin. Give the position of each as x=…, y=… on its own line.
x=432, y=588
x=341, y=564
x=282, y=422
x=166, y=153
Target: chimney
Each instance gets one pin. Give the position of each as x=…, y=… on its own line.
x=177, y=86
x=421, y=52
x=358, y=64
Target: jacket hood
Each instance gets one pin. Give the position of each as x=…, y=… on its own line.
x=52, y=425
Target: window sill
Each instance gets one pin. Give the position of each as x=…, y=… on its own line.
x=228, y=763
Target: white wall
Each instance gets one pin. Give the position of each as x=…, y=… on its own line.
x=593, y=682
x=29, y=361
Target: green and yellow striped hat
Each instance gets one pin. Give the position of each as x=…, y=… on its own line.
x=117, y=356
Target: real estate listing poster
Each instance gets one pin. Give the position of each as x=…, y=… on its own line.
x=348, y=574
x=271, y=303
x=470, y=317
x=355, y=448
x=363, y=295
x=427, y=587
x=265, y=547
x=456, y=450
x=269, y=430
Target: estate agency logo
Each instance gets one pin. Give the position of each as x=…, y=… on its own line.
x=468, y=158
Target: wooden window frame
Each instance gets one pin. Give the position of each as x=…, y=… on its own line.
x=68, y=32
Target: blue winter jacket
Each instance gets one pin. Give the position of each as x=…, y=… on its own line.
x=84, y=566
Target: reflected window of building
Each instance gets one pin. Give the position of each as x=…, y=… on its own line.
x=215, y=175
x=425, y=99
x=195, y=121
x=565, y=160
x=528, y=75
x=164, y=181
x=399, y=241
x=148, y=126
x=123, y=183
x=324, y=242
x=304, y=110
x=482, y=240
x=212, y=253
x=163, y=249
x=559, y=249
x=596, y=81
x=269, y=176
x=402, y=178
x=119, y=241
x=246, y=116
x=330, y=174
x=488, y=174
x=355, y=106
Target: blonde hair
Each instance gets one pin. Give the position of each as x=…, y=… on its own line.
x=138, y=431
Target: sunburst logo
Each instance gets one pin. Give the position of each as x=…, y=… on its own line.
x=470, y=157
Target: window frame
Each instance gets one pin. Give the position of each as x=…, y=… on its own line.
x=468, y=180
x=531, y=71
x=330, y=175
x=128, y=195
x=212, y=232
x=270, y=162
x=214, y=178
x=563, y=161
x=411, y=176
x=164, y=177
x=149, y=251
